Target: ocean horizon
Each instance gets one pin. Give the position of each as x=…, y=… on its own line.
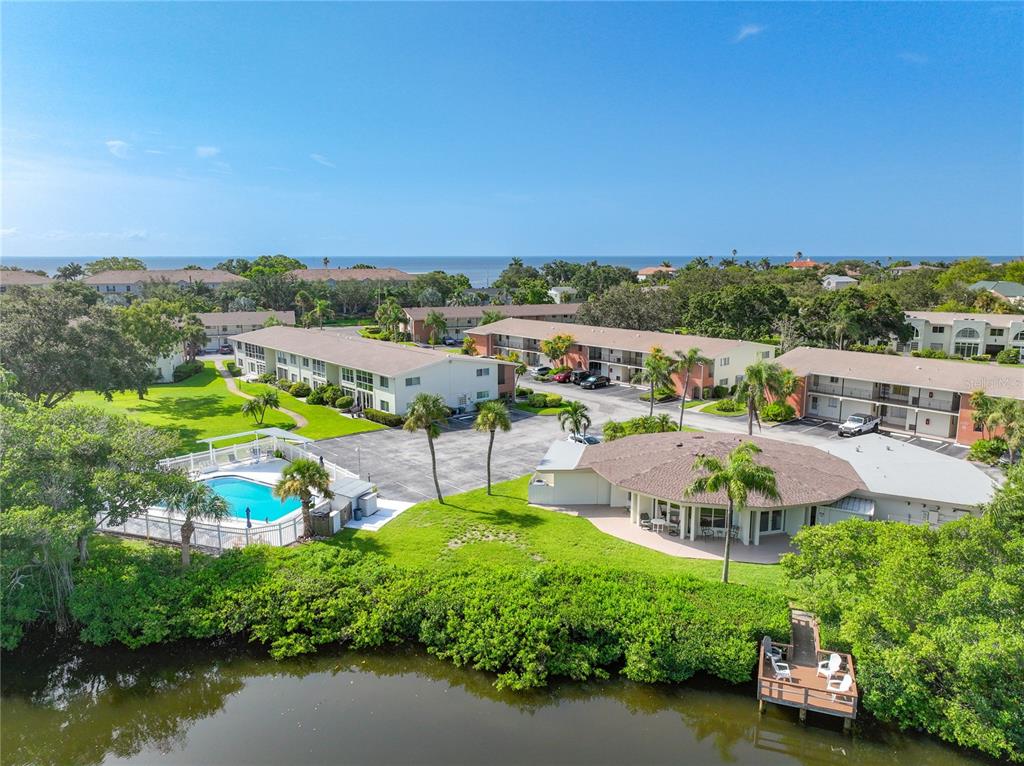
x=481, y=270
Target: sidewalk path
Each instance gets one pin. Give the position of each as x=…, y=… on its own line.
x=229, y=381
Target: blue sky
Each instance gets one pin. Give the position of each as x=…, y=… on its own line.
x=862, y=130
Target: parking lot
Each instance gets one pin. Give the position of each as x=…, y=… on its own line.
x=828, y=430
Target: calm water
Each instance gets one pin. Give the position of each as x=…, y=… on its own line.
x=480, y=270
x=230, y=705
x=241, y=494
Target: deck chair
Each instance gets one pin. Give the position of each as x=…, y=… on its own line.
x=770, y=650
x=840, y=685
x=645, y=521
x=830, y=667
x=782, y=671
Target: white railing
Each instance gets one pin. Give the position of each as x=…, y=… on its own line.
x=217, y=537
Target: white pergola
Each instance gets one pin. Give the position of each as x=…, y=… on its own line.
x=258, y=433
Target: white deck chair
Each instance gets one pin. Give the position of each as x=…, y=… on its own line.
x=830, y=667
x=782, y=672
x=840, y=685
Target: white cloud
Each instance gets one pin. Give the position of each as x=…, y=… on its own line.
x=205, y=152
x=9, y=232
x=155, y=151
x=748, y=30
x=322, y=160
x=120, y=149
x=914, y=58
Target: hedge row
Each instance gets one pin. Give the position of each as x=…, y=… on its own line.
x=385, y=418
x=188, y=369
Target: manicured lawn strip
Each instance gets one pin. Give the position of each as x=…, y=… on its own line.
x=690, y=403
x=712, y=409
x=324, y=422
x=478, y=531
x=540, y=410
x=194, y=409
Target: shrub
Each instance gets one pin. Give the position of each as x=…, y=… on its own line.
x=384, y=418
x=660, y=395
x=729, y=405
x=880, y=348
x=777, y=412
x=523, y=391
x=1008, y=356
x=233, y=368
x=344, y=402
x=987, y=450
x=553, y=400
x=561, y=368
x=537, y=400
x=719, y=392
x=284, y=384
x=299, y=389
x=932, y=353
x=982, y=357
x=187, y=370
x=316, y=396
x=267, y=377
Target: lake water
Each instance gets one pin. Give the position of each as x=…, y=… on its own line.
x=203, y=704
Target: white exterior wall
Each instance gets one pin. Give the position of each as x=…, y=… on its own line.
x=454, y=379
x=582, y=487
x=889, y=508
x=165, y=365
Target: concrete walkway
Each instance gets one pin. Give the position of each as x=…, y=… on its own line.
x=232, y=385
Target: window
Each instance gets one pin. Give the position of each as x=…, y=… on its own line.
x=833, y=403
x=305, y=361
x=364, y=380
x=814, y=402
x=483, y=372
x=384, y=406
x=382, y=381
x=938, y=330
x=501, y=374
x=256, y=352
x=967, y=332
x=996, y=333
x=127, y=288
x=723, y=381
x=347, y=375
x=482, y=394
x=723, y=362
x=1019, y=336
x=319, y=367
x=412, y=381
x=833, y=379
x=292, y=358
x=766, y=354
x=224, y=328
x=772, y=521
x=966, y=349
x=712, y=517
x=111, y=288
x=814, y=380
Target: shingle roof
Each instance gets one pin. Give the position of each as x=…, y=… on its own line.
x=648, y=270
x=662, y=465
x=475, y=312
x=352, y=350
x=10, y=277
x=352, y=275
x=1006, y=289
x=611, y=337
x=948, y=317
x=131, y=276
x=937, y=374
x=245, y=317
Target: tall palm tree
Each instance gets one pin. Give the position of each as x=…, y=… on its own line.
x=520, y=366
x=321, y=310
x=389, y=316
x=304, y=478
x=437, y=324
x=195, y=500
x=424, y=414
x=1008, y=414
x=491, y=417
x=489, y=316
x=683, y=363
x=259, y=404
x=326, y=262
x=982, y=406
x=738, y=475
x=657, y=372
x=762, y=381
x=577, y=416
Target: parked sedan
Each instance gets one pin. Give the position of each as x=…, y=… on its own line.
x=563, y=377
x=540, y=372
x=596, y=381
x=587, y=439
x=225, y=348
x=578, y=376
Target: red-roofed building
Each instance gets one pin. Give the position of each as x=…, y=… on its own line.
x=799, y=262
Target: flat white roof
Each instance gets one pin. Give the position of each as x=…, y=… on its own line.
x=562, y=455
x=889, y=466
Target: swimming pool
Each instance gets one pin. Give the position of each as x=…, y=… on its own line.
x=241, y=493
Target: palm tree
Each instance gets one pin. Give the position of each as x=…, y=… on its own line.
x=1008, y=414
x=577, y=416
x=259, y=404
x=657, y=371
x=491, y=417
x=489, y=316
x=556, y=347
x=520, y=366
x=437, y=325
x=389, y=316
x=304, y=478
x=425, y=412
x=982, y=406
x=321, y=310
x=762, y=381
x=738, y=476
x=303, y=302
x=684, y=362
x=663, y=423
x=195, y=500
x=326, y=262
x=666, y=264
x=193, y=336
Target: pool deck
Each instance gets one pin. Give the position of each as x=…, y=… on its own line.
x=386, y=511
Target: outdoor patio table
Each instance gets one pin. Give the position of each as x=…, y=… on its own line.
x=658, y=525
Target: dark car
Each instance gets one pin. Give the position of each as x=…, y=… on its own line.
x=596, y=381
x=578, y=376
x=449, y=341
x=225, y=349
x=540, y=372
x=562, y=377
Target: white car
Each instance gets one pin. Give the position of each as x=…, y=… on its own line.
x=583, y=439
x=860, y=423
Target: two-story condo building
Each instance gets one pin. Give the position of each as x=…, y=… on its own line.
x=930, y=397
x=126, y=284
x=12, y=278
x=964, y=334
x=620, y=353
x=334, y=276
x=377, y=374
x=461, y=319
x=221, y=325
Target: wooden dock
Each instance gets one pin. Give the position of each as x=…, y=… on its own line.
x=807, y=690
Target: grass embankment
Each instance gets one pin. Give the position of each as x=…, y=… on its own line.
x=196, y=408
x=712, y=409
x=324, y=422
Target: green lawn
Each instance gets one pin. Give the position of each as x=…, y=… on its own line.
x=324, y=422
x=196, y=408
x=541, y=410
x=712, y=409
x=480, y=531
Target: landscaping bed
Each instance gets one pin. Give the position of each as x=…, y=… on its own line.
x=324, y=422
